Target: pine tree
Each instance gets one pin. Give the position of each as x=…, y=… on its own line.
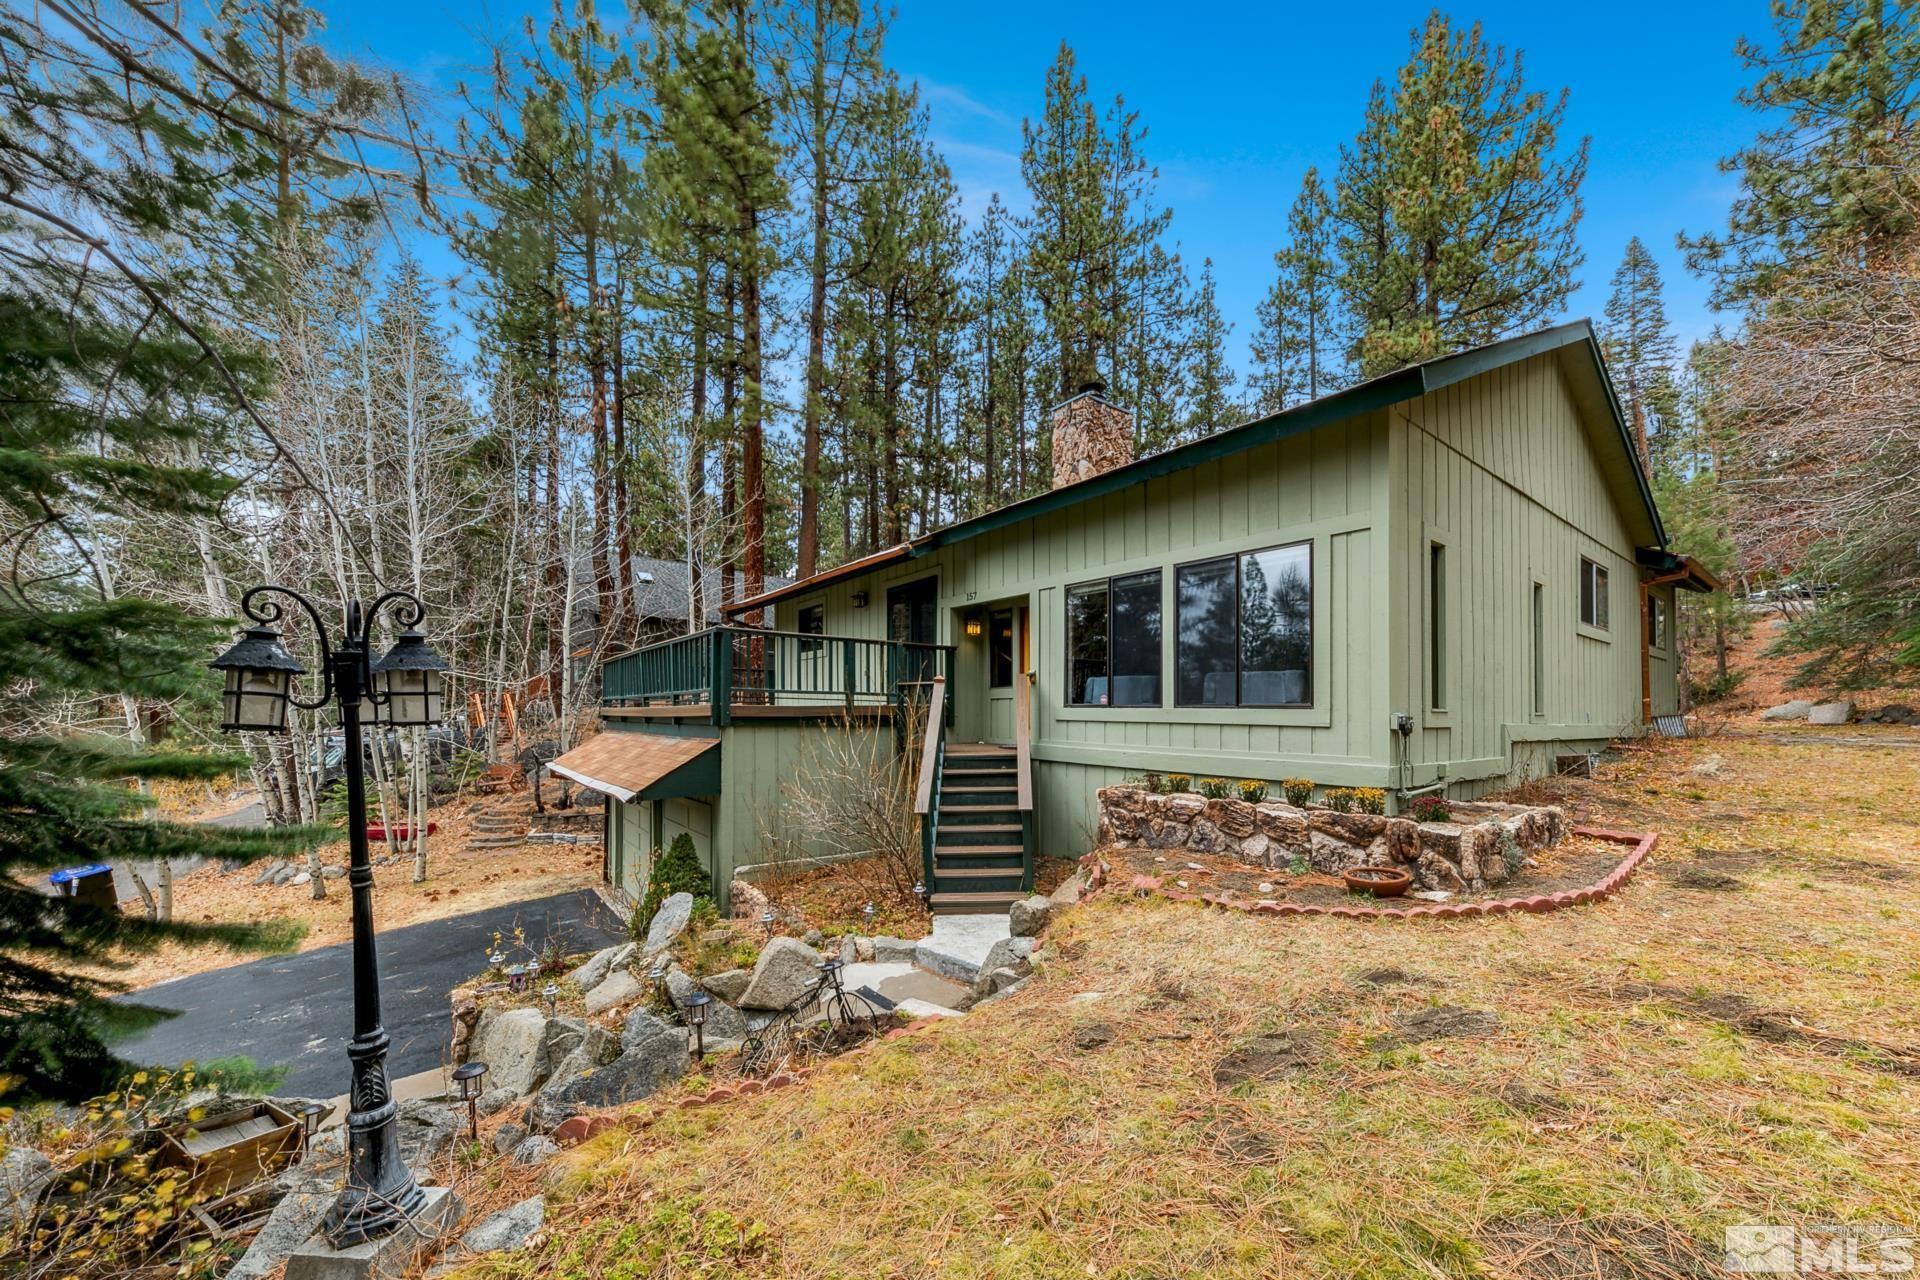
x=1819, y=252
x=115, y=246
x=1296, y=348
x=1457, y=206
x=1067, y=162
x=1832, y=174
x=1640, y=351
x=1210, y=379
x=836, y=55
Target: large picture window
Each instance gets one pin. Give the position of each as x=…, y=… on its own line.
x=1244, y=629
x=1113, y=642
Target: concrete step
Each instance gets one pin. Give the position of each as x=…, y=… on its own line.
x=971, y=904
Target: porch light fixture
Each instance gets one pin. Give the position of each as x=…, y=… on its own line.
x=696, y=1008
x=259, y=682
x=467, y=1076
x=975, y=627
x=409, y=679
x=859, y=599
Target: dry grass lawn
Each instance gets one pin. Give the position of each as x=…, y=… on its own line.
x=1187, y=1092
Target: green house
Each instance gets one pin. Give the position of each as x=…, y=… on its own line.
x=1442, y=579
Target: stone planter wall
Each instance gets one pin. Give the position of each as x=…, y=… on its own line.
x=1478, y=851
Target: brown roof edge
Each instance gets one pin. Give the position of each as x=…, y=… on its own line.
x=623, y=765
x=1699, y=577
x=1681, y=571
x=806, y=586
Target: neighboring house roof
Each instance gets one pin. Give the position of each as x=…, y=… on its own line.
x=1581, y=359
x=661, y=588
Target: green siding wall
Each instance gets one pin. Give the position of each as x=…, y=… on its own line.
x=758, y=760
x=1503, y=473
x=1326, y=487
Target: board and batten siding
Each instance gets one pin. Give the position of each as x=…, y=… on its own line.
x=1325, y=487
x=1501, y=471
x=761, y=762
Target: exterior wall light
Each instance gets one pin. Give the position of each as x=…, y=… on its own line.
x=975, y=627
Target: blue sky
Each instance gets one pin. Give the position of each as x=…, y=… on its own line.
x=1241, y=99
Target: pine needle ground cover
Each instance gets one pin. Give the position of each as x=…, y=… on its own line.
x=1183, y=1092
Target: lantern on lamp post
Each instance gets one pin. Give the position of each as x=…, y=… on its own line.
x=405, y=686
x=259, y=682
x=409, y=681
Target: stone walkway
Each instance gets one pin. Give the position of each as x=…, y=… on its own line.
x=958, y=945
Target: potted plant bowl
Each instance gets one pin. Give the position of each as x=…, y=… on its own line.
x=1380, y=882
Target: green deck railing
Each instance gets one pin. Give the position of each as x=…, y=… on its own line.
x=729, y=668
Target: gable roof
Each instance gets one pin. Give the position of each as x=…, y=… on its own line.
x=661, y=588
x=1580, y=358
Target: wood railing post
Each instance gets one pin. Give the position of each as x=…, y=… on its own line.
x=849, y=667
x=721, y=705
x=926, y=794
x=1023, y=772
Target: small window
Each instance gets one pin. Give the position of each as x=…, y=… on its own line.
x=1437, y=624
x=1113, y=642
x=1656, y=623
x=1539, y=649
x=1000, y=648
x=1593, y=594
x=1244, y=627
x=811, y=621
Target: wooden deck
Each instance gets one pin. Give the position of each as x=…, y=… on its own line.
x=749, y=711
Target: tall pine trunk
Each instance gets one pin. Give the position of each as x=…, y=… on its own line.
x=809, y=549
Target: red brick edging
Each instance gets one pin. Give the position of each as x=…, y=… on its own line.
x=1537, y=904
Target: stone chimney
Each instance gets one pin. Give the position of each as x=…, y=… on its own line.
x=1090, y=435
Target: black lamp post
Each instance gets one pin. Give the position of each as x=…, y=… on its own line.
x=402, y=688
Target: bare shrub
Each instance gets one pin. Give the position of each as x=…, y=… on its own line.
x=850, y=797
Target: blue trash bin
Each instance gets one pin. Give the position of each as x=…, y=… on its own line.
x=92, y=884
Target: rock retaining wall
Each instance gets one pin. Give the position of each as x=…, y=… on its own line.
x=1481, y=849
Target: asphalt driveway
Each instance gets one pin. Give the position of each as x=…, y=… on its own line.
x=297, y=1011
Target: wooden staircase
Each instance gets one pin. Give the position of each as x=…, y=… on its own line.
x=980, y=847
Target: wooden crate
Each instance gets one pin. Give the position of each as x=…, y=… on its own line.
x=225, y=1152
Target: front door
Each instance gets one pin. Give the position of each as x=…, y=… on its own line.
x=1007, y=654
x=912, y=619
